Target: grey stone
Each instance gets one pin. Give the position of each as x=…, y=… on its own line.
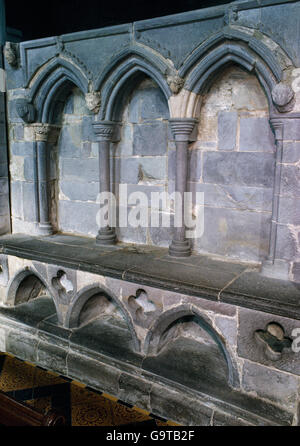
x=19, y=132
x=227, y=126
x=290, y=181
x=292, y=130
x=256, y=135
x=243, y=169
x=286, y=244
x=29, y=204
x=135, y=391
x=195, y=165
x=29, y=168
x=80, y=169
x=22, y=148
x=270, y=384
x=70, y=141
x=128, y=170
x=153, y=104
x=289, y=212
x=87, y=129
x=22, y=344
x=80, y=191
x=134, y=108
x=179, y=407
x=291, y=152
x=88, y=371
x=235, y=197
x=171, y=165
x=223, y=419
x=17, y=199
x=3, y=154
x=233, y=233
x=249, y=322
x=150, y=139
x=85, y=221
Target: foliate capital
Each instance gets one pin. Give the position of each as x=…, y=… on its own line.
x=45, y=132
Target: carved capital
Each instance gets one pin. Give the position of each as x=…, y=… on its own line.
x=104, y=130
x=45, y=132
x=11, y=54
x=93, y=101
x=41, y=131
x=25, y=110
x=277, y=125
x=175, y=83
x=283, y=97
x=182, y=128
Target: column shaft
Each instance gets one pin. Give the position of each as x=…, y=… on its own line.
x=104, y=133
x=182, y=128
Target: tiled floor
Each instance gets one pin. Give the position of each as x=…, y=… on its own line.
x=82, y=406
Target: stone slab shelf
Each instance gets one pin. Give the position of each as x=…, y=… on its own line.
x=200, y=276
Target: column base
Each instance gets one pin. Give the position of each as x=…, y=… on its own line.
x=45, y=229
x=106, y=236
x=180, y=248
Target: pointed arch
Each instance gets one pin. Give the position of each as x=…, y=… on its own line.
x=235, y=46
x=167, y=318
x=118, y=77
x=82, y=297
x=49, y=83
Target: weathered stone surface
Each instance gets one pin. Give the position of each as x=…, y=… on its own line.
x=256, y=135
x=243, y=169
x=85, y=222
x=227, y=126
x=290, y=181
x=135, y=391
x=88, y=371
x=234, y=233
x=270, y=384
x=291, y=152
x=150, y=139
x=79, y=191
x=176, y=406
x=236, y=197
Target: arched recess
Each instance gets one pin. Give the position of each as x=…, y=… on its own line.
x=119, y=77
x=52, y=84
x=232, y=46
x=187, y=313
x=26, y=285
x=92, y=299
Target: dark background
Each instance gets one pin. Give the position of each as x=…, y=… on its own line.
x=41, y=18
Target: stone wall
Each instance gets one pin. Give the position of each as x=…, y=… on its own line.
x=4, y=181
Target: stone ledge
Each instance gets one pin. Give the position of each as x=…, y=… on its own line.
x=200, y=276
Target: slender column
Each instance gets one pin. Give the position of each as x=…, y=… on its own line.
x=41, y=137
x=104, y=132
x=182, y=129
x=277, y=125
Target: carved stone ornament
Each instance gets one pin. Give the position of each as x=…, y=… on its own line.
x=11, y=54
x=175, y=83
x=41, y=132
x=273, y=341
x=93, y=101
x=283, y=97
x=231, y=15
x=25, y=110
